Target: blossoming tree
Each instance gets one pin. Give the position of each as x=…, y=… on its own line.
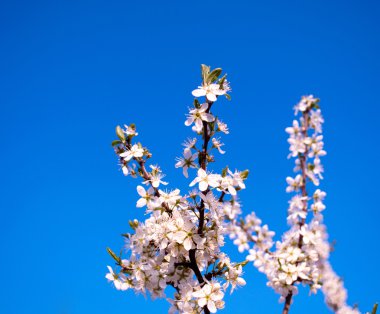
x=179, y=245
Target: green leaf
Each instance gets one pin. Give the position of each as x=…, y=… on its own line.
x=221, y=81
x=205, y=71
x=224, y=172
x=114, y=256
x=228, y=97
x=213, y=76
x=244, y=263
x=133, y=224
x=244, y=174
x=115, y=142
x=196, y=103
x=120, y=134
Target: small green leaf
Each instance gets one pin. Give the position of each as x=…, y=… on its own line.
x=224, y=172
x=221, y=81
x=228, y=97
x=115, y=142
x=133, y=224
x=114, y=256
x=214, y=75
x=212, y=126
x=205, y=71
x=120, y=134
x=244, y=263
x=196, y=103
x=244, y=174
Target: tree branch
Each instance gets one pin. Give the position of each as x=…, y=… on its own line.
x=288, y=302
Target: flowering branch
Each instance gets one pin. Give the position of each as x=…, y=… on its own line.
x=302, y=161
x=183, y=235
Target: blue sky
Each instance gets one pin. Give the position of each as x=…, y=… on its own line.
x=72, y=70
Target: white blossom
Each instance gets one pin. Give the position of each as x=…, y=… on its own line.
x=210, y=295
x=217, y=144
x=118, y=280
x=134, y=152
x=205, y=180
x=197, y=116
x=222, y=127
x=211, y=91
x=187, y=161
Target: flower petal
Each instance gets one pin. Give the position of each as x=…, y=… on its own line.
x=203, y=185
x=211, y=306
x=199, y=92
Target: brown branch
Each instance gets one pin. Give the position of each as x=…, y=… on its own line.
x=203, y=164
x=221, y=197
x=288, y=302
x=212, y=274
x=303, y=166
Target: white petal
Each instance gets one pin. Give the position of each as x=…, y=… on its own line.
x=189, y=121
x=198, y=125
x=217, y=296
x=125, y=154
x=201, y=173
x=187, y=244
x=202, y=302
x=110, y=269
x=241, y=281
x=117, y=284
x=195, y=181
x=184, y=170
x=141, y=202
x=219, y=92
x=128, y=157
x=211, y=97
x=155, y=183
x=179, y=236
x=199, y=92
x=203, y=185
x=125, y=170
x=207, y=289
x=207, y=117
x=198, y=294
x=211, y=306
x=203, y=107
x=232, y=190
x=187, y=153
x=141, y=191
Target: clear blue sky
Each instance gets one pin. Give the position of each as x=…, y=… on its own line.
x=72, y=70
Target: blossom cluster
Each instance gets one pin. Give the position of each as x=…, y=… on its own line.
x=301, y=257
x=179, y=244
x=176, y=252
